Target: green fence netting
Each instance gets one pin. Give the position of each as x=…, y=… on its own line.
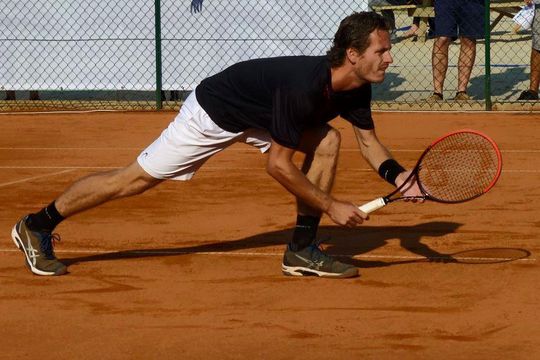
x=147, y=55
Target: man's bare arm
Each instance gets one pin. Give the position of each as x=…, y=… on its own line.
x=280, y=167
x=376, y=153
x=372, y=149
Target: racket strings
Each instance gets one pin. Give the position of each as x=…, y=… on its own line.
x=459, y=167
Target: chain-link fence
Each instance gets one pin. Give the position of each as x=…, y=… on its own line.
x=436, y=68
x=140, y=54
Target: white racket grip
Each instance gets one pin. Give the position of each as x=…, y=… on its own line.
x=373, y=205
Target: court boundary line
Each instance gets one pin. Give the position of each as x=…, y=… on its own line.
x=72, y=168
x=374, y=111
x=53, y=112
x=269, y=254
x=36, y=177
x=250, y=150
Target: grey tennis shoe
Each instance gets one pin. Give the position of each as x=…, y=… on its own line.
x=311, y=261
x=37, y=247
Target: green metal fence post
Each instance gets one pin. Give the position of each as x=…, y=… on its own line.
x=487, y=47
x=159, y=80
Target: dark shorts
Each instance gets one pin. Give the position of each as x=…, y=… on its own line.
x=459, y=18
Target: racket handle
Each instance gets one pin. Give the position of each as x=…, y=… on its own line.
x=373, y=205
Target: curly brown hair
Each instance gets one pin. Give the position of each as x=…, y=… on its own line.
x=353, y=32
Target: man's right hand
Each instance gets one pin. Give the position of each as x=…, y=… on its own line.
x=346, y=214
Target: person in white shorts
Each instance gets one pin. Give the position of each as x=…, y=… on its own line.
x=532, y=93
x=279, y=105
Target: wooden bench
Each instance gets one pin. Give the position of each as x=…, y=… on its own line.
x=426, y=11
x=507, y=8
x=423, y=11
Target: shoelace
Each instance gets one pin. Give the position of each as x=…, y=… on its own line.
x=48, y=242
x=317, y=254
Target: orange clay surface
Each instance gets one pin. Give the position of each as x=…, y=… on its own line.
x=192, y=270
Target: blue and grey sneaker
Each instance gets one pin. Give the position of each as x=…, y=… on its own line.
x=37, y=247
x=311, y=261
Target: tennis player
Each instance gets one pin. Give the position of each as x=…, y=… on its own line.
x=280, y=106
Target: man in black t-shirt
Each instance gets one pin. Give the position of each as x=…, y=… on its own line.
x=283, y=96
x=279, y=105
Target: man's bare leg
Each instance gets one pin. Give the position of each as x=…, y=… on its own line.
x=532, y=93
x=321, y=147
x=96, y=189
x=33, y=234
x=439, y=63
x=467, y=56
x=535, y=70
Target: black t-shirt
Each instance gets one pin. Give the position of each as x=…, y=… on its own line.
x=284, y=95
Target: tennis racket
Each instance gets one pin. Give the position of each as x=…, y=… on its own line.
x=455, y=168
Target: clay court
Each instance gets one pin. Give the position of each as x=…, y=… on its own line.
x=192, y=270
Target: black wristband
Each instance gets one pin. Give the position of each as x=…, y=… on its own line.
x=389, y=170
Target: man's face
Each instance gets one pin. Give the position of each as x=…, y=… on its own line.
x=372, y=64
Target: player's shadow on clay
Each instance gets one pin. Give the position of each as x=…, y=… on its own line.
x=339, y=241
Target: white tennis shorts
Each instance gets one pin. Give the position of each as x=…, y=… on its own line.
x=191, y=139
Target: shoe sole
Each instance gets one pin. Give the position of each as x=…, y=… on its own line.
x=19, y=243
x=303, y=271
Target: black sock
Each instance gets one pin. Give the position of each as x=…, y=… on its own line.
x=304, y=232
x=46, y=219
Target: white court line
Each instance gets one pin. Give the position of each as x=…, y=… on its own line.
x=58, y=112
x=524, y=151
x=74, y=148
x=176, y=111
x=213, y=168
x=36, y=177
x=59, y=167
x=268, y=254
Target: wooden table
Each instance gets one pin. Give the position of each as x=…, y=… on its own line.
x=426, y=10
